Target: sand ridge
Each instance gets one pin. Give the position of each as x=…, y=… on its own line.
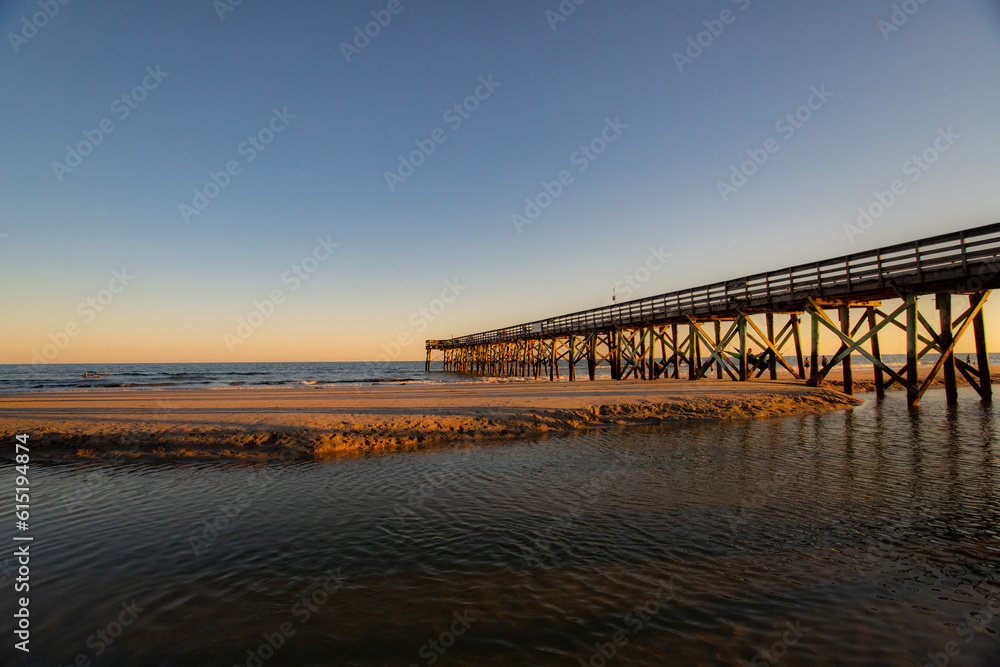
x=272, y=423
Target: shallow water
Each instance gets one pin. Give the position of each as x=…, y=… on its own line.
x=864, y=537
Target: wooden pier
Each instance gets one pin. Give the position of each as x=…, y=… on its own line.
x=709, y=329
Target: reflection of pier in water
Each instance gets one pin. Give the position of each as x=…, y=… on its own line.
x=640, y=338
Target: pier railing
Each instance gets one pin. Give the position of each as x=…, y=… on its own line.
x=938, y=260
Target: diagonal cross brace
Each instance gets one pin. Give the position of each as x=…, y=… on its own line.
x=954, y=341
x=769, y=344
x=712, y=347
x=935, y=344
x=849, y=345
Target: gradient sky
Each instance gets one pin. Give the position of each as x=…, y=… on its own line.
x=323, y=175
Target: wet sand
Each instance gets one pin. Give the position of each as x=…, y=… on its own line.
x=315, y=423
x=864, y=379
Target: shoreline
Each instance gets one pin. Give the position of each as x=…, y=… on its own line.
x=864, y=381
x=283, y=423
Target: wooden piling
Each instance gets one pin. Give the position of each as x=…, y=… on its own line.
x=814, y=346
x=911, y=349
x=692, y=338
x=983, y=359
x=772, y=361
x=797, y=339
x=718, y=342
x=744, y=371
x=877, y=353
x=943, y=302
x=845, y=327
x=677, y=356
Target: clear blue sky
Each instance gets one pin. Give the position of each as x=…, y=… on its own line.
x=656, y=185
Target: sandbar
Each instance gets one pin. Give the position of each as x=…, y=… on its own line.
x=269, y=423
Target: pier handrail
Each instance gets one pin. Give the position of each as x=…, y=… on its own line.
x=874, y=269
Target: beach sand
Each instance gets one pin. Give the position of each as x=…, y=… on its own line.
x=272, y=423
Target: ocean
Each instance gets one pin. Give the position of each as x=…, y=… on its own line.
x=62, y=377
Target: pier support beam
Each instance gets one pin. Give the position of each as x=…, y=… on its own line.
x=587, y=354
x=677, y=354
x=692, y=338
x=772, y=359
x=911, y=349
x=719, y=345
x=772, y=348
x=796, y=336
x=845, y=327
x=849, y=344
x=696, y=357
x=976, y=303
x=572, y=358
x=944, y=311
x=877, y=353
x=651, y=351
x=814, y=348
x=716, y=349
x=982, y=358
x=744, y=371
